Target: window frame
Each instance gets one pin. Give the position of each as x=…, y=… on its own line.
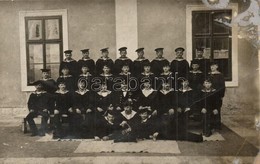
x=234, y=50
x=23, y=38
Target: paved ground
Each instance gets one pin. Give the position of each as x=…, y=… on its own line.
x=240, y=146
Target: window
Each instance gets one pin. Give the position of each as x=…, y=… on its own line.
x=43, y=36
x=212, y=30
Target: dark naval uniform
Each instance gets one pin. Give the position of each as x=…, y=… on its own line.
x=138, y=66
x=196, y=79
x=107, y=79
x=83, y=101
x=101, y=62
x=173, y=127
x=104, y=100
x=204, y=65
x=87, y=62
x=157, y=65
x=165, y=77
x=120, y=62
x=63, y=101
x=218, y=83
x=165, y=101
x=69, y=82
x=180, y=66
x=208, y=101
x=126, y=134
x=122, y=97
x=49, y=85
x=39, y=102
x=147, y=98
x=145, y=128
x=71, y=65
x=87, y=78
x=106, y=128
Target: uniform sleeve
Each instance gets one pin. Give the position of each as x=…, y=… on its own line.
x=222, y=86
x=31, y=102
x=117, y=69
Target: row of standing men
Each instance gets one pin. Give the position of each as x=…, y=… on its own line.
x=178, y=65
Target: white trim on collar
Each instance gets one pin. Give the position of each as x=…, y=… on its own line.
x=58, y=91
x=150, y=91
x=108, y=92
x=65, y=60
x=181, y=90
x=129, y=116
x=212, y=90
x=165, y=93
x=179, y=59
x=82, y=93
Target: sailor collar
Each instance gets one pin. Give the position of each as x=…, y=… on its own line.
x=198, y=71
x=106, y=75
x=122, y=73
x=65, y=76
x=38, y=93
x=85, y=59
x=47, y=79
x=165, y=92
x=129, y=116
x=162, y=58
x=179, y=59
x=103, y=58
x=61, y=92
x=85, y=75
x=123, y=58
x=146, y=92
x=212, y=73
x=70, y=60
x=82, y=92
x=207, y=91
x=200, y=58
x=140, y=59
x=185, y=90
x=104, y=93
x=149, y=73
x=169, y=73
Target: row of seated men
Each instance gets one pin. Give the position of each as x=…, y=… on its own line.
x=119, y=115
x=178, y=65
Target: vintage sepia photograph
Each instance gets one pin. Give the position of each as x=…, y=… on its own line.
x=130, y=81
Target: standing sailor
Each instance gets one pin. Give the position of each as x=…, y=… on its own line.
x=138, y=64
x=70, y=63
x=49, y=83
x=179, y=64
x=122, y=60
x=104, y=60
x=158, y=63
x=86, y=60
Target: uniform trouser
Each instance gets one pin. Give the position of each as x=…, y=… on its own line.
x=44, y=120
x=88, y=126
x=76, y=123
x=210, y=121
x=57, y=122
x=182, y=119
x=218, y=119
